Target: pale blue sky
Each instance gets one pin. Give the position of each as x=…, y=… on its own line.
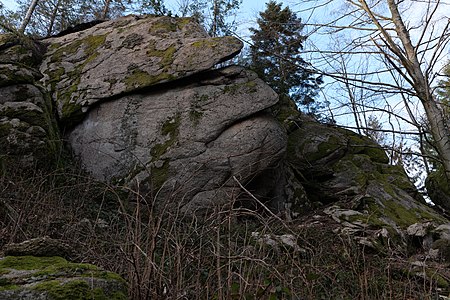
x=246, y=16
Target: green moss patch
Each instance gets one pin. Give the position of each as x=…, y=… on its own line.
x=363, y=145
x=54, y=266
x=68, y=96
x=89, y=45
x=159, y=176
x=169, y=128
x=166, y=55
x=75, y=289
x=167, y=24
x=30, y=262
x=140, y=79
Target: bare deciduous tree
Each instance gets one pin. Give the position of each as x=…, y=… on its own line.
x=28, y=15
x=406, y=43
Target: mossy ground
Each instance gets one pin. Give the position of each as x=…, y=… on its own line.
x=51, y=275
x=54, y=267
x=76, y=289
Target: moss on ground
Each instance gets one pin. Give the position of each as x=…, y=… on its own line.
x=75, y=289
x=53, y=271
x=54, y=266
x=30, y=262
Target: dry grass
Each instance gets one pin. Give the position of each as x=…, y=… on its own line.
x=164, y=255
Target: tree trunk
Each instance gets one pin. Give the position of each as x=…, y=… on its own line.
x=105, y=9
x=439, y=130
x=53, y=18
x=28, y=15
x=215, y=18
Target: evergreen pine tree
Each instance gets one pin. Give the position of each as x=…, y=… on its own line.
x=275, y=56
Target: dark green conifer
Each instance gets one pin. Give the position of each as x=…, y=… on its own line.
x=275, y=56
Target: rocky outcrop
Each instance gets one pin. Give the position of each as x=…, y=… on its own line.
x=154, y=113
x=27, y=125
x=189, y=141
x=349, y=176
x=125, y=55
x=142, y=107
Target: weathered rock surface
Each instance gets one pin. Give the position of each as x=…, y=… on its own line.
x=189, y=141
x=125, y=55
x=27, y=125
x=51, y=278
x=438, y=189
x=142, y=107
x=147, y=110
x=41, y=247
x=334, y=166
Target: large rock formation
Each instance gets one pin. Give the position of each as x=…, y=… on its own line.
x=142, y=106
x=153, y=113
x=126, y=55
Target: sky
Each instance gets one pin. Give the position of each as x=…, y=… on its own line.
x=245, y=19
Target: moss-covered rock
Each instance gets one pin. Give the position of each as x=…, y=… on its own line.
x=30, y=277
x=125, y=55
x=21, y=50
x=27, y=127
x=27, y=122
x=337, y=166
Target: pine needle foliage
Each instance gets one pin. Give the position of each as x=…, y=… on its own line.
x=275, y=55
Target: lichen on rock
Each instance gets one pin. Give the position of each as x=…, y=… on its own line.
x=339, y=167
x=111, y=58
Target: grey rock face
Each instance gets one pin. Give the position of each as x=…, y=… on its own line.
x=27, y=128
x=339, y=167
x=187, y=142
x=147, y=111
x=124, y=55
